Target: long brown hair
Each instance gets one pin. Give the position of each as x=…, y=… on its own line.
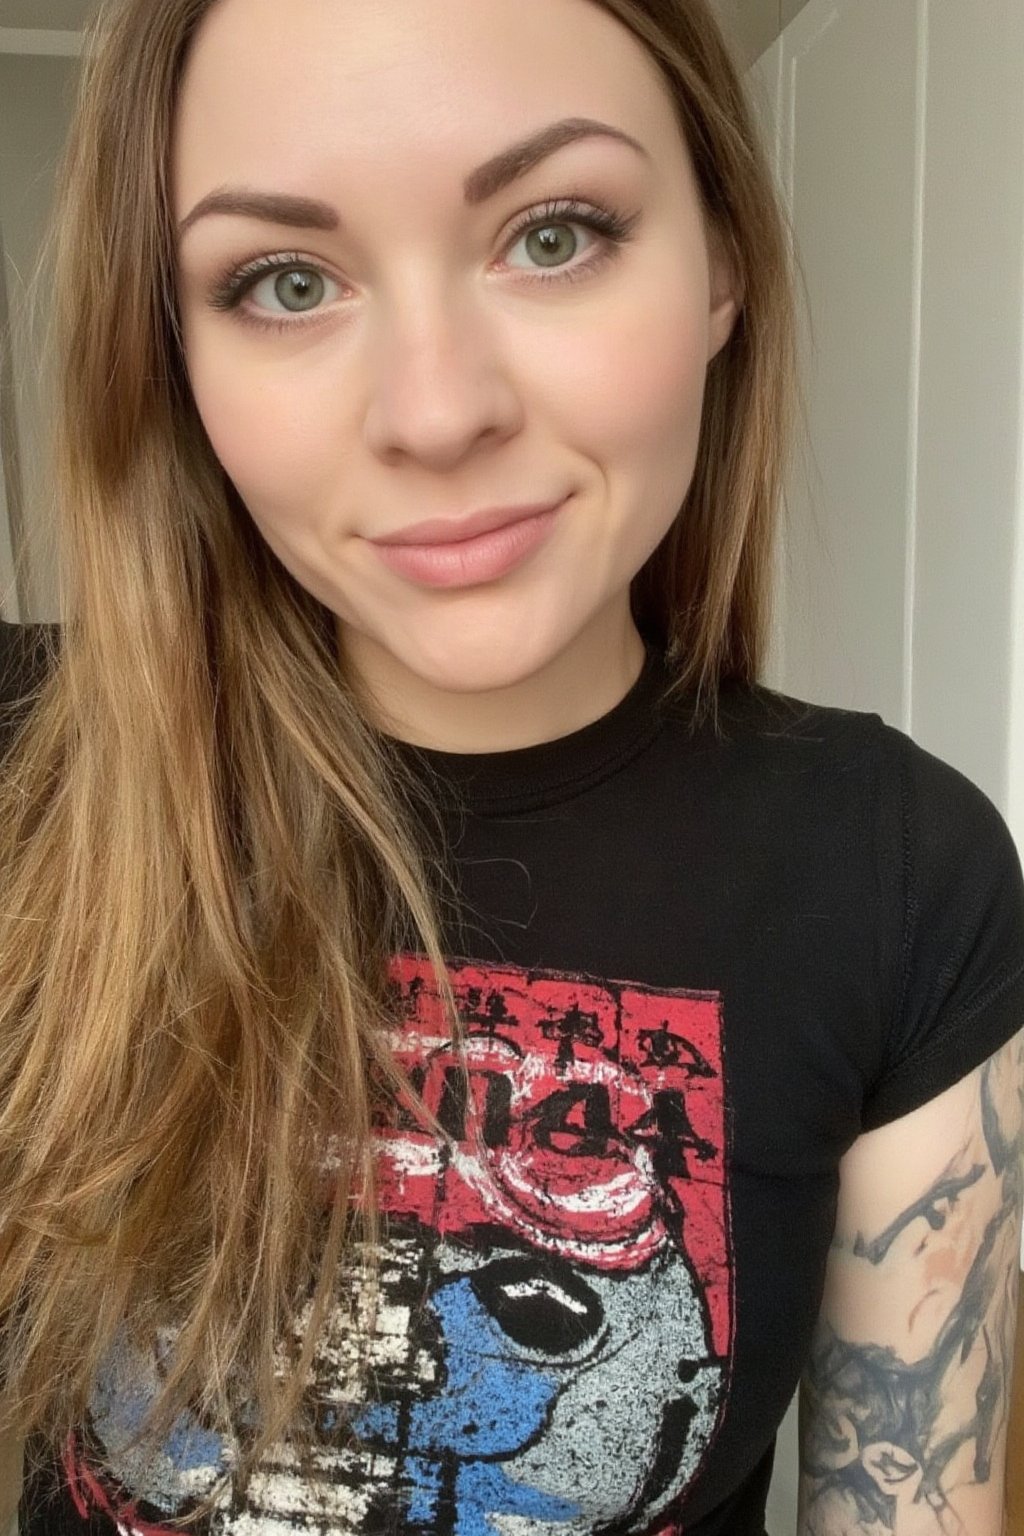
x=207, y=856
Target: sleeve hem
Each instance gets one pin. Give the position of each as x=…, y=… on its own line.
x=996, y=1017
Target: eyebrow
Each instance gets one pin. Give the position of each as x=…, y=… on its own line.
x=481, y=184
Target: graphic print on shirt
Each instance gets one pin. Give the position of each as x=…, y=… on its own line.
x=555, y=1315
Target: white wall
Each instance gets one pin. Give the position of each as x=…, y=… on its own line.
x=10, y=607
x=1015, y=732
x=901, y=153
x=753, y=25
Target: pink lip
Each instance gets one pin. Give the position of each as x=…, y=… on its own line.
x=452, y=530
x=467, y=562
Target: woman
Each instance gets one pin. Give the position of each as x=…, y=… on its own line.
x=469, y=1048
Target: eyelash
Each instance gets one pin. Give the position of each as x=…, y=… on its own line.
x=229, y=289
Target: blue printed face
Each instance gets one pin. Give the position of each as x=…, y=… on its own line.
x=558, y=1396
x=510, y=1386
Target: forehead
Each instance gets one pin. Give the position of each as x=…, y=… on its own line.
x=363, y=88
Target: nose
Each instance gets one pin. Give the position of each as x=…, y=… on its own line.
x=440, y=380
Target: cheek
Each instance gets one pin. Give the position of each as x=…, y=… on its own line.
x=634, y=369
x=633, y=397
x=261, y=418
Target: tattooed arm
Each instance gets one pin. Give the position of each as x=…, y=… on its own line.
x=905, y=1395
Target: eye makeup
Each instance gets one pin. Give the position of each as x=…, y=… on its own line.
x=230, y=288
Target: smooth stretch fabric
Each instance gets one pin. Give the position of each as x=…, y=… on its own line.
x=691, y=970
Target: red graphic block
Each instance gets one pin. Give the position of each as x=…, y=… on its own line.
x=593, y=1125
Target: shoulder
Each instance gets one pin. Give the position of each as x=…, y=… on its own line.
x=945, y=835
x=944, y=870
x=845, y=776
x=924, y=788
x=753, y=716
x=778, y=744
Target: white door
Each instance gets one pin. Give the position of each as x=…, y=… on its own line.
x=897, y=129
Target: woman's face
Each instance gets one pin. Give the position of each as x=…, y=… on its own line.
x=433, y=343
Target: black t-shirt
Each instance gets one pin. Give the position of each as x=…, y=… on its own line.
x=692, y=971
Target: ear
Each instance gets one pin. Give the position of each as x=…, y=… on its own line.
x=726, y=292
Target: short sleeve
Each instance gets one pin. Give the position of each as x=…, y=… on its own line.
x=958, y=990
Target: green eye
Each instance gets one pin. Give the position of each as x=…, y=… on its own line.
x=302, y=288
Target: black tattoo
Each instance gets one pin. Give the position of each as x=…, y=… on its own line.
x=886, y=1441
x=948, y=1187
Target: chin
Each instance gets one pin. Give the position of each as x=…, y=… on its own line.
x=475, y=659
x=461, y=675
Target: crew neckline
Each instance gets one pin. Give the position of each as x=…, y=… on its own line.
x=524, y=778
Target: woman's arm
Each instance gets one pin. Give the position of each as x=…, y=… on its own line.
x=904, y=1400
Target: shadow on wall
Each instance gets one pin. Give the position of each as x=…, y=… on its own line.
x=753, y=25
x=35, y=103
